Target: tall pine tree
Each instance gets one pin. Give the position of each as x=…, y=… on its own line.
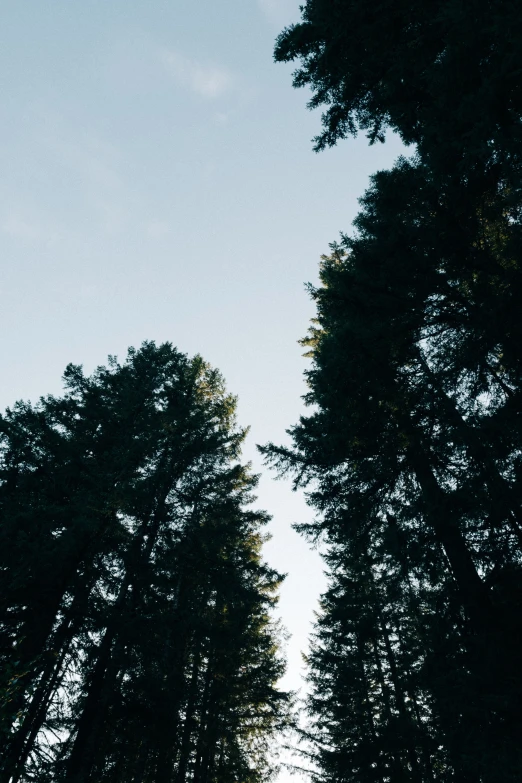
x=412, y=452
x=415, y=440
x=137, y=639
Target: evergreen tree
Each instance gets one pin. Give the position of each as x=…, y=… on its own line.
x=445, y=75
x=412, y=453
x=137, y=643
x=415, y=439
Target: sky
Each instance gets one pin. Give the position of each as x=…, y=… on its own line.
x=158, y=183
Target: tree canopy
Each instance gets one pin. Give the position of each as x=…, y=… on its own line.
x=412, y=456
x=411, y=452
x=136, y=634
x=444, y=75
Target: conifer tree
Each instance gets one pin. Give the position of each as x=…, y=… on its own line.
x=412, y=453
x=443, y=74
x=415, y=426
x=137, y=639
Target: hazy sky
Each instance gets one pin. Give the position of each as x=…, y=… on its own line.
x=158, y=182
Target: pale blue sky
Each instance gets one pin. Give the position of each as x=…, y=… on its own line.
x=158, y=182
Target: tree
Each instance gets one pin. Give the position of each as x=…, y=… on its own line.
x=136, y=633
x=412, y=451
x=371, y=716
x=413, y=425
x=445, y=76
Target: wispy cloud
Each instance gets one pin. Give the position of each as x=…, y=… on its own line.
x=19, y=227
x=280, y=12
x=30, y=228
x=205, y=79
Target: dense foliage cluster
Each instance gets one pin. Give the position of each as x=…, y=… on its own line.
x=136, y=643
x=135, y=634
x=412, y=451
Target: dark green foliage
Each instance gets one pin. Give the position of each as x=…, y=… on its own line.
x=412, y=453
x=371, y=715
x=136, y=640
x=443, y=73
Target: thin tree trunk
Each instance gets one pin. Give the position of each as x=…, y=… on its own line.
x=47, y=600
x=475, y=595
x=204, y=721
x=369, y=715
x=81, y=760
x=400, y=701
x=23, y=741
x=396, y=764
x=189, y=719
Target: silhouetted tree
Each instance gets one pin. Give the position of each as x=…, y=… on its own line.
x=443, y=74
x=415, y=439
x=137, y=643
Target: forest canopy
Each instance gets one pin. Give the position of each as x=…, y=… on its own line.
x=137, y=634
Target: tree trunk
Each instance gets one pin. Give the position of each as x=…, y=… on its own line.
x=80, y=760
x=474, y=594
x=23, y=741
x=189, y=719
